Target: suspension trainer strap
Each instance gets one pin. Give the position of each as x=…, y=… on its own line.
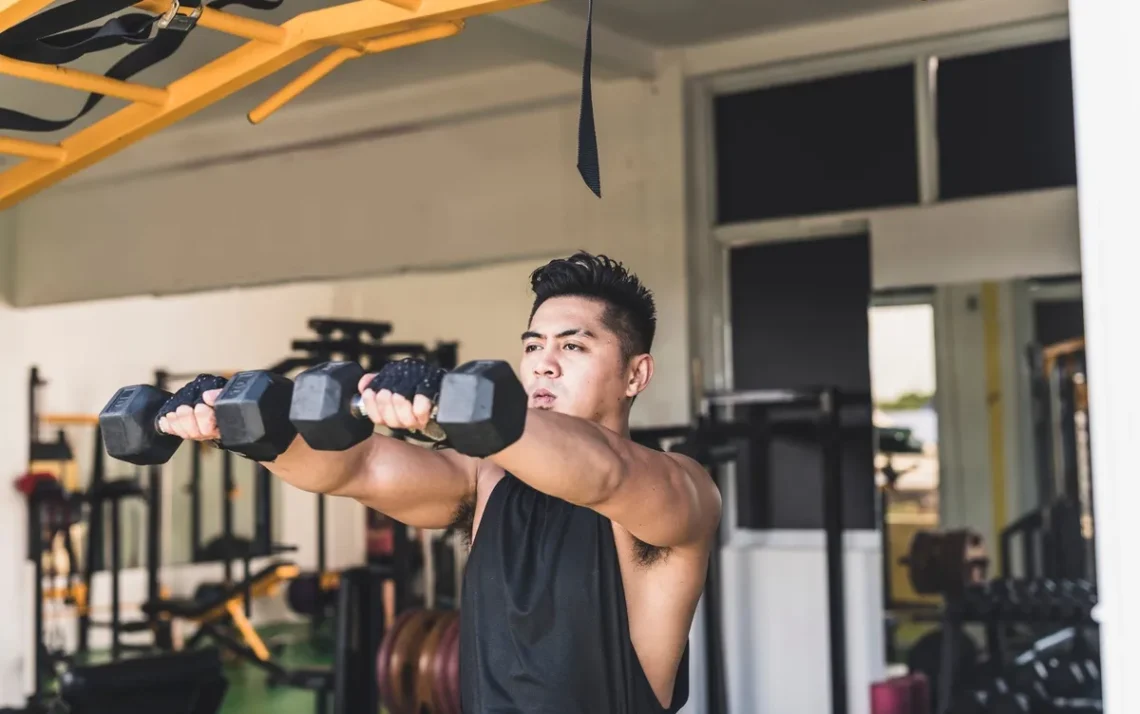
x=135, y=28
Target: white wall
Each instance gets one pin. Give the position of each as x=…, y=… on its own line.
x=16, y=585
x=776, y=626
x=1108, y=149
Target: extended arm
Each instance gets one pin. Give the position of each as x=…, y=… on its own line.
x=662, y=499
x=413, y=485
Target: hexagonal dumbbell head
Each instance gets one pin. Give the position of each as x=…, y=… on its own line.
x=482, y=407
x=129, y=424
x=323, y=407
x=253, y=415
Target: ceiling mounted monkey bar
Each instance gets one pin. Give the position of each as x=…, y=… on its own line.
x=351, y=30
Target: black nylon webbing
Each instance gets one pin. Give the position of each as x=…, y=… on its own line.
x=51, y=38
x=588, y=164
x=162, y=46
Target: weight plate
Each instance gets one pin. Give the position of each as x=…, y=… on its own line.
x=425, y=682
x=453, y=670
x=441, y=691
x=403, y=666
x=302, y=594
x=945, y=563
x=384, y=656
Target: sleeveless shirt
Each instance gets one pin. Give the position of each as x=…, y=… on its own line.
x=544, y=627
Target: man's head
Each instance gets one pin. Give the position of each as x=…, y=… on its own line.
x=586, y=350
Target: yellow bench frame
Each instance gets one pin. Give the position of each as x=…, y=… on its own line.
x=352, y=30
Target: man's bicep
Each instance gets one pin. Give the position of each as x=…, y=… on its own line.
x=417, y=486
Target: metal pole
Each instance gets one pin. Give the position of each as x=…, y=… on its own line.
x=833, y=532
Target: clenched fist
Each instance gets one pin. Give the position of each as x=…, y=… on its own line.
x=189, y=414
x=402, y=395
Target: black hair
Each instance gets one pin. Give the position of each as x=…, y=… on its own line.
x=630, y=310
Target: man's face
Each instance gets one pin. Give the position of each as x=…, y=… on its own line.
x=572, y=363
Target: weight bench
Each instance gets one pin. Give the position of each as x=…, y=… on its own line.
x=213, y=605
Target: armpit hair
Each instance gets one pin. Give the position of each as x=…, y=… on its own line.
x=648, y=555
x=463, y=522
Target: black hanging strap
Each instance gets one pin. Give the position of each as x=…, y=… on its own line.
x=588, y=165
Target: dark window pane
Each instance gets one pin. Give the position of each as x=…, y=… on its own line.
x=1005, y=121
x=835, y=144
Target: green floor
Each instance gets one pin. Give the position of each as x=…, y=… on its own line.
x=248, y=692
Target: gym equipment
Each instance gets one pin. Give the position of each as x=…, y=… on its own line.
x=945, y=563
x=417, y=665
x=351, y=30
x=51, y=511
x=351, y=681
x=1058, y=538
x=481, y=410
x=901, y=695
x=928, y=655
x=325, y=408
x=130, y=426
x=252, y=414
x=220, y=606
x=313, y=594
x=189, y=682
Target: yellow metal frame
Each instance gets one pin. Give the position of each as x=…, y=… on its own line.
x=352, y=30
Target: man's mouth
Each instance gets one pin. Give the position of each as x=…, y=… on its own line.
x=542, y=398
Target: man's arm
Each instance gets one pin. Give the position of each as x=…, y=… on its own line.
x=411, y=484
x=662, y=499
x=414, y=485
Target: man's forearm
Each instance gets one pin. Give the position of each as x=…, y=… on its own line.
x=565, y=457
x=318, y=471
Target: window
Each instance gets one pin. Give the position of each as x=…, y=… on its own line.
x=833, y=144
x=1005, y=121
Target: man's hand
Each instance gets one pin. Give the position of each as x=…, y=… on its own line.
x=196, y=423
x=402, y=395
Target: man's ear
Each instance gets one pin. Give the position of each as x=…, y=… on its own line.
x=639, y=375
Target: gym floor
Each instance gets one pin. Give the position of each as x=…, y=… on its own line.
x=248, y=691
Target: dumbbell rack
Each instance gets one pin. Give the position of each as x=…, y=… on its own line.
x=991, y=605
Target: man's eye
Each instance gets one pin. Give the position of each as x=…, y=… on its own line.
x=573, y=347
x=530, y=348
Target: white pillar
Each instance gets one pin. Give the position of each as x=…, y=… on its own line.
x=1106, y=65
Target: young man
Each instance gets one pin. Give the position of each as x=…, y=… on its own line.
x=589, y=552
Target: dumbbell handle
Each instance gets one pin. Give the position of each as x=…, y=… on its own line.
x=432, y=431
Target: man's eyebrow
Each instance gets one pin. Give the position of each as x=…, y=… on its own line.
x=531, y=335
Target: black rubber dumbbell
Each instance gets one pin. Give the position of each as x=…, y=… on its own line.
x=326, y=407
x=252, y=414
x=481, y=410
x=129, y=424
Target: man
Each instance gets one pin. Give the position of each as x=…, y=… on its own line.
x=588, y=551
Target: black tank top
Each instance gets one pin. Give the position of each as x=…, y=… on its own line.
x=544, y=628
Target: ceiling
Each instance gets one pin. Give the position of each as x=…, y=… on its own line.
x=686, y=22
x=479, y=47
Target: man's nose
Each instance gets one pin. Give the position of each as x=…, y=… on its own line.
x=546, y=366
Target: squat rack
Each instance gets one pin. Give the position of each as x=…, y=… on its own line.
x=351, y=30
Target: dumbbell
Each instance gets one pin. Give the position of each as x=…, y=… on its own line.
x=252, y=415
x=481, y=411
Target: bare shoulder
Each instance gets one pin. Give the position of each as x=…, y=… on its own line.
x=704, y=488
